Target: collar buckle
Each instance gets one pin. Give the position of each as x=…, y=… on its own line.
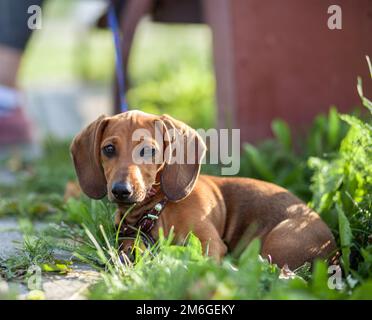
x=152, y=216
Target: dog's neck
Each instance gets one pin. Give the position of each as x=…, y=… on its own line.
x=154, y=196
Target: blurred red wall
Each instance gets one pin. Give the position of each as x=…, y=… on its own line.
x=279, y=59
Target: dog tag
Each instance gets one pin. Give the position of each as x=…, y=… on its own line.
x=158, y=207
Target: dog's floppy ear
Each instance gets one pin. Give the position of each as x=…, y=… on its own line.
x=85, y=151
x=178, y=179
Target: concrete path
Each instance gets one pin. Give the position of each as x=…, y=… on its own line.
x=10, y=237
x=60, y=112
x=55, y=286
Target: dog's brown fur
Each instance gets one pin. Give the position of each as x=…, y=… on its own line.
x=222, y=212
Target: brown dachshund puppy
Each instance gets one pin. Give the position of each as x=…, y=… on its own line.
x=222, y=212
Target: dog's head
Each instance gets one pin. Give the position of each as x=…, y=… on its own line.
x=124, y=156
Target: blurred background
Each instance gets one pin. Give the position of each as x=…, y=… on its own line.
x=270, y=69
x=237, y=64
x=67, y=70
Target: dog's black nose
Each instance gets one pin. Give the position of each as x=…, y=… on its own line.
x=122, y=190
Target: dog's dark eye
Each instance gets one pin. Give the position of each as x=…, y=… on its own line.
x=147, y=152
x=109, y=150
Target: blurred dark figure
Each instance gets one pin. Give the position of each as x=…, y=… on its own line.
x=15, y=128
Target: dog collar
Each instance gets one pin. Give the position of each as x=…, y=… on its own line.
x=146, y=223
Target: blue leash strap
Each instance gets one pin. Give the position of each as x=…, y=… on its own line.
x=114, y=25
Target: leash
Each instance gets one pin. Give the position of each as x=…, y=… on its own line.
x=114, y=26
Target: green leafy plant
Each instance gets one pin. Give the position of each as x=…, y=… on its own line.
x=342, y=192
x=283, y=160
x=77, y=217
x=183, y=272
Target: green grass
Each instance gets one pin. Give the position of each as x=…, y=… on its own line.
x=35, y=253
x=284, y=159
x=177, y=272
x=40, y=184
x=191, y=274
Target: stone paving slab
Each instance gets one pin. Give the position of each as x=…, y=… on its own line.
x=71, y=286
x=55, y=286
x=10, y=237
